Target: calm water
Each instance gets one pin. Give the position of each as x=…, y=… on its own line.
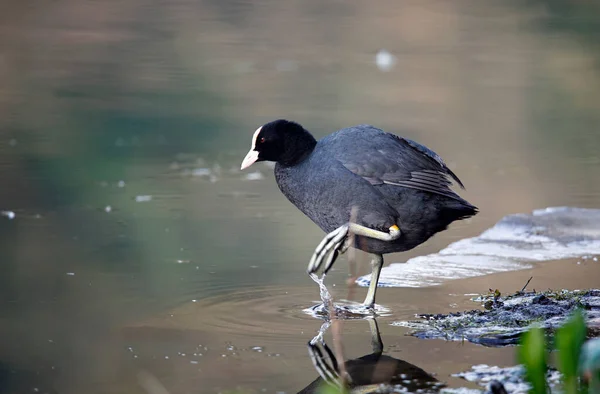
x=138, y=248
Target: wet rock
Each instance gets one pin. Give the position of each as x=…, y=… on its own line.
x=541, y=300
x=505, y=318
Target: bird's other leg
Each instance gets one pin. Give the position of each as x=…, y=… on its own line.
x=376, y=265
x=334, y=242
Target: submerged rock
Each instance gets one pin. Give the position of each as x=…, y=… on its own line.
x=505, y=318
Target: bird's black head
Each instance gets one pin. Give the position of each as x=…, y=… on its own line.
x=282, y=141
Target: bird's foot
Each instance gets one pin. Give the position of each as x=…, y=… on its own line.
x=328, y=250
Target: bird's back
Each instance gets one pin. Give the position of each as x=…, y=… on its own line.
x=388, y=179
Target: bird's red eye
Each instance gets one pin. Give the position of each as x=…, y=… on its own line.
x=262, y=140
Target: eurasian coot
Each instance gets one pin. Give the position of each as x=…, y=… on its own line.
x=396, y=191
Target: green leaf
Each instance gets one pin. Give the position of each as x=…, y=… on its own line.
x=532, y=354
x=569, y=339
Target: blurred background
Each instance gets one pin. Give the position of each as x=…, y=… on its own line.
x=123, y=124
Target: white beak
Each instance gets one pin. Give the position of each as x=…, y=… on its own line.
x=250, y=158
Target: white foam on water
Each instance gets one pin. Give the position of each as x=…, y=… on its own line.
x=512, y=244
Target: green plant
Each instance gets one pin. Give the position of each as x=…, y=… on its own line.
x=569, y=341
x=532, y=354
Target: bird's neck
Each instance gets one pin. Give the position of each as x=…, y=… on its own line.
x=297, y=148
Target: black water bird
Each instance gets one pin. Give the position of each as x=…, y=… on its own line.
x=396, y=191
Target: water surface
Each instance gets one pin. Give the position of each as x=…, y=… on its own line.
x=136, y=243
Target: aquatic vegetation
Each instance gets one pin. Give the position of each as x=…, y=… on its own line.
x=576, y=362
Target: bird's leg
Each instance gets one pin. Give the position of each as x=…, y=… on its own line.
x=334, y=242
x=376, y=265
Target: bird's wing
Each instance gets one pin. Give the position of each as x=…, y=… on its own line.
x=401, y=162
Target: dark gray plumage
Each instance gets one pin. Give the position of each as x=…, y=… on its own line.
x=389, y=180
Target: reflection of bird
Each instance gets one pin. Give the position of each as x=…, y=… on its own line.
x=367, y=373
x=398, y=189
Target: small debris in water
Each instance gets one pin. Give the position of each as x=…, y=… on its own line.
x=121, y=184
x=143, y=198
x=193, y=362
x=71, y=273
x=166, y=357
x=254, y=176
x=385, y=60
x=12, y=142
x=107, y=209
x=258, y=349
x=9, y=214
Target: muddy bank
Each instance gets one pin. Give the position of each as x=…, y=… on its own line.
x=502, y=319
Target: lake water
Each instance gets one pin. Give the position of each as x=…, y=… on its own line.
x=137, y=257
